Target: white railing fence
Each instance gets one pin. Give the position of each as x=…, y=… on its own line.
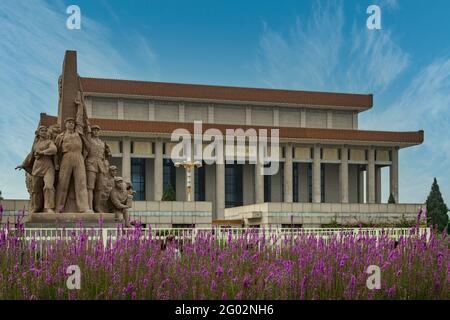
x=219, y=234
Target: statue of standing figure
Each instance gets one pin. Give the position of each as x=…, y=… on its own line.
x=75, y=164
x=96, y=168
x=71, y=146
x=39, y=163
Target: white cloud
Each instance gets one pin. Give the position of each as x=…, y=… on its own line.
x=389, y=4
x=424, y=104
x=33, y=39
x=320, y=54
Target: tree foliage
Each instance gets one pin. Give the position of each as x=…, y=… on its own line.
x=391, y=199
x=169, y=193
x=437, y=210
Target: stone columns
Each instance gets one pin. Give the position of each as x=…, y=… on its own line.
x=371, y=176
x=288, y=186
x=393, y=173
x=220, y=191
x=126, y=158
x=259, y=182
x=377, y=184
x=344, y=175
x=316, y=175
x=158, y=171
x=361, y=185
x=192, y=178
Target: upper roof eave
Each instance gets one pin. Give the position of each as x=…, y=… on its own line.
x=402, y=139
x=227, y=94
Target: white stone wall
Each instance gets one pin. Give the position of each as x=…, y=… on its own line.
x=262, y=116
x=229, y=114
x=289, y=117
x=318, y=214
x=105, y=108
x=316, y=118
x=135, y=109
x=166, y=111
x=162, y=110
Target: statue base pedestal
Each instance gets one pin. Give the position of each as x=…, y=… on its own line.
x=71, y=220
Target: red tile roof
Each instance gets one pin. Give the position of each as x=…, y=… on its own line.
x=223, y=93
x=415, y=137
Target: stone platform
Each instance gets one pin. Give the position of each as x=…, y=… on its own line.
x=70, y=220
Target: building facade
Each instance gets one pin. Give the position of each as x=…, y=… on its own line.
x=328, y=166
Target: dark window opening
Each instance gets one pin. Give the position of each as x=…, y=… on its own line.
x=322, y=183
x=138, y=178
x=169, y=174
x=267, y=186
x=233, y=185
x=295, y=177
x=309, y=178
x=199, y=184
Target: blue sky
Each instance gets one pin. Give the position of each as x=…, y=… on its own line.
x=305, y=45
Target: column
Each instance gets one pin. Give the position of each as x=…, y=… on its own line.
x=192, y=178
x=377, y=184
x=220, y=191
x=192, y=183
x=370, y=177
x=126, y=158
x=259, y=183
x=158, y=171
x=288, y=193
x=344, y=175
x=361, y=183
x=316, y=175
x=393, y=174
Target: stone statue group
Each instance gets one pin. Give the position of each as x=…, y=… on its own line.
x=69, y=171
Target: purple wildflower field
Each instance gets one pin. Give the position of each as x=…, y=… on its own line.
x=248, y=266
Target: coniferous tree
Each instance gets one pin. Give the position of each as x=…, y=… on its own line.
x=1, y=198
x=169, y=193
x=391, y=199
x=436, y=208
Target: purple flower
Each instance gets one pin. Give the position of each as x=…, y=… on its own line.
x=219, y=271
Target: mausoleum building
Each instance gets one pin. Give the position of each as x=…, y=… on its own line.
x=330, y=169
